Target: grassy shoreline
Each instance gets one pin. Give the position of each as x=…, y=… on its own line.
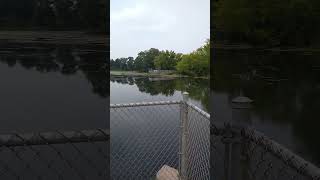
x=146, y=74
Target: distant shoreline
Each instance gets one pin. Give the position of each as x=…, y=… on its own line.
x=144, y=74
x=77, y=38
x=243, y=46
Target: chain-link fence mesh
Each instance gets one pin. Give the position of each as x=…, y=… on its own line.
x=266, y=159
x=55, y=155
x=198, y=147
x=245, y=154
x=146, y=141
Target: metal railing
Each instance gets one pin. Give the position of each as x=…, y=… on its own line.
x=246, y=154
x=159, y=140
x=176, y=140
x=155, y=140
x=239, y=152
x=55, y=155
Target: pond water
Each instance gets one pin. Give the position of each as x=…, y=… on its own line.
x=144, y=89
x=52, y=88
x=285, y=88
x=48, y=88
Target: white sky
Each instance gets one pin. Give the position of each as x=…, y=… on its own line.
x=138, y=25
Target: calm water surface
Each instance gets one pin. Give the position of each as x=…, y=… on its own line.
x=53, y=88
x=143, y=89
x=285, y=88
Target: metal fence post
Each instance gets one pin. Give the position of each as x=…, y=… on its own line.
x=241, y=106
x=184, y=137
x=240, y=119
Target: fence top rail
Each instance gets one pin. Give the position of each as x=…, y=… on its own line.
x=293, y=160
x=200, y=111
x=53, y=137
x=113, y=106
x=288, y=157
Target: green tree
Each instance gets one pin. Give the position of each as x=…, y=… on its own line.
x=145, y=59
x=196, y=63
x=94, y=14
x=130, y=63
x=166, y=60
x=86, y=15
x=268, y=22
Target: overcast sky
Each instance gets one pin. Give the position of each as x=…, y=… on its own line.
x=138, y=25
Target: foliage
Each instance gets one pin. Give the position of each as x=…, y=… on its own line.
x=167, y=60
x=122, y=64
x=145, y=59
x=196, y=63
x=268, y=22
x=54, y=14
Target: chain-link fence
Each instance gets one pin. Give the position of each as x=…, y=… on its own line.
x=246, y=154
x=242, y=153
x=55, y=155
x=198, y=147
x=159, y=140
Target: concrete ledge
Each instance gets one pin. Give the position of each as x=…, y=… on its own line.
x=167, y=173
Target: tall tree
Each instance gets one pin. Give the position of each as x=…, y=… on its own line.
x=166, y=60
x=196, y=63
x=145, y=59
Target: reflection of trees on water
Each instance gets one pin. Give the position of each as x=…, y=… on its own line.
x=67, y=61
x=198, y=88
x=283, y=87
x=166, y=88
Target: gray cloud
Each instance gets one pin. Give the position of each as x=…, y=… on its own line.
x=179, y=25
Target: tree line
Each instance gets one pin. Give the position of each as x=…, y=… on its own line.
x=54, y=14
x=196, y=63
x=267, y=22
